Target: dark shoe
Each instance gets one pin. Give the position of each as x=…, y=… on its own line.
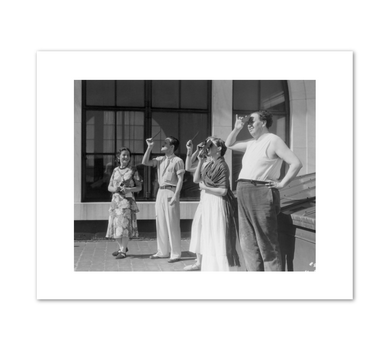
x=173, y=260
x=117, y=252
x=120, y=255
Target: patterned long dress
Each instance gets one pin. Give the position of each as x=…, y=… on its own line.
x=122, y=220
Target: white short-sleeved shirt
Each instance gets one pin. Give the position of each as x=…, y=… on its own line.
x=168, y=169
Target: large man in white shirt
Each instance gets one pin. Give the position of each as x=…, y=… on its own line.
x=257, y=190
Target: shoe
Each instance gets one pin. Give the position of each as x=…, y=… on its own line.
x=117, y=252
x=154, y=257
x=194, y=267
x=121, y=255
x=173, y=260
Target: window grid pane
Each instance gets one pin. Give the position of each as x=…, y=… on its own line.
x=100, y=92
x=98, y=173
x=168, y=123
x=106, y=131
x=246, y=95
x=192, y=123
x=165, y=93
x=272, y=95
x=100, y=136
x=193, y=94
x=130, y=93
x=128, y=134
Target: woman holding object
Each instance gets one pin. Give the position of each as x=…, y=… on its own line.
x=122, y=221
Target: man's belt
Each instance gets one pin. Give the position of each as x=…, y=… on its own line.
x=254, y=182
x=171, y=187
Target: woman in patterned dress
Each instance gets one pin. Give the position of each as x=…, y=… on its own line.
x=122, y=220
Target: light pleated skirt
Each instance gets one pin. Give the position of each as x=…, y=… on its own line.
x=196, y=228
x=213, y=225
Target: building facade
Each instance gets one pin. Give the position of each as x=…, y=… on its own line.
x=111, y=114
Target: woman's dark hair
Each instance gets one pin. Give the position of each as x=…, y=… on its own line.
x=265, y=115
x=219, y=143
x=173, y=141
x=123, y=148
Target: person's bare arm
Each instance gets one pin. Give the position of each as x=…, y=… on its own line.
x=214, y=191
x=197, y=175
x=231, y=141
x=191, y=157
x=146, y=159
x=282, y=150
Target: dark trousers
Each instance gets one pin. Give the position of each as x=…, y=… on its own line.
x=258, y=207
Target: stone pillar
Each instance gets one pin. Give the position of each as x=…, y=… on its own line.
x=221, y=114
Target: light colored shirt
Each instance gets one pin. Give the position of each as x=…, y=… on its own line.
x=168, y=169
x=256, y=165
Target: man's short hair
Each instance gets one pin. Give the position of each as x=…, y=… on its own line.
x=175, y=142
x=265, y=115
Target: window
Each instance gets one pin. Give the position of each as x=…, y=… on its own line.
x=254, y=95
x=125, y=113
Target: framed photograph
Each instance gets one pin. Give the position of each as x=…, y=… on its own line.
x=89, y=103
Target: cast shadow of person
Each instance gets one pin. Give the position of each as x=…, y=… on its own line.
x=286, y=237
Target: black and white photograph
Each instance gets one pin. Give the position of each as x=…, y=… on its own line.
x=192, y=179
x=194, y=175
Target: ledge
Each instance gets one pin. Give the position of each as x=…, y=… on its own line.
x=99, y=210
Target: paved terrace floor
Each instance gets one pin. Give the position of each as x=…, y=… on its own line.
x=96, y=255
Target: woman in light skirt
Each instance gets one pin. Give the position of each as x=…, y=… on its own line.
x=218, y=211
x=196, y=228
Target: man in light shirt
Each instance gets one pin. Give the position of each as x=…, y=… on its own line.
x=170, y=172
x=257, y=190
